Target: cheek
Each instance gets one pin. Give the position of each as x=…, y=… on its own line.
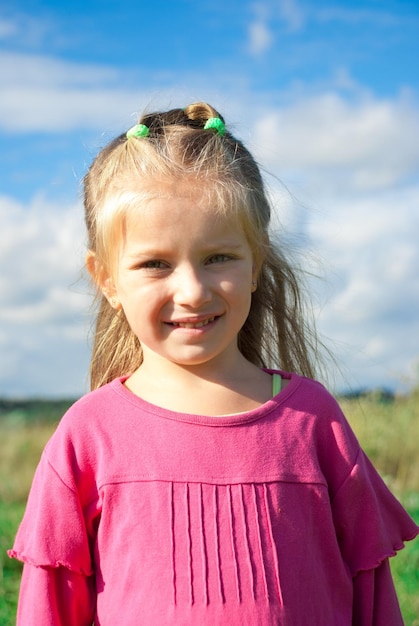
x=239, y=285
x=143, y=301
x=238, y=295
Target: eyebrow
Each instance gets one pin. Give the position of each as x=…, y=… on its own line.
x=161, y=252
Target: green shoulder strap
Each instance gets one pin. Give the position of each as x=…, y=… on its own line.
x=276, y=384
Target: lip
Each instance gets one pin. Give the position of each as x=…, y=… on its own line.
x=192, y=323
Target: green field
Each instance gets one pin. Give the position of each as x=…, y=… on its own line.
x=387, y=428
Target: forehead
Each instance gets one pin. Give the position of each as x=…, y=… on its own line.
x=180, y=199
x=180, y=216
x=205, y=194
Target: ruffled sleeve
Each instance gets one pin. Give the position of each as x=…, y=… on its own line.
x=55, y=596
x=375, y=601
x=371, y=524
x=53, y=531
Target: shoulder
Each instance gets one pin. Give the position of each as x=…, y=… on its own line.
x=81, y=437
x=312, y=396
x=308, y=402
x=321, y=425
x=95, y=408
x=307, y=407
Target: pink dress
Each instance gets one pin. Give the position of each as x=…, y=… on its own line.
x=140, y=515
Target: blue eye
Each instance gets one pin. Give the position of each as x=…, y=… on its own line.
x=219, y=258
x=153, y=265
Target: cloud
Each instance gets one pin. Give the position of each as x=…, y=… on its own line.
x=259, y=32
x=364, y=143
x=364, y=249
x=44, y=94
x=52, y=95
x=354, y=16
x=7, y=28
x=260, y=37
x=264, y=26
x=37, y=71
x=369, y=247
x=350, y=161
x=292, y=14
x=43, y=318
x=32, y=32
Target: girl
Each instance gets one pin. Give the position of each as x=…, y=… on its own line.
x=194, y=485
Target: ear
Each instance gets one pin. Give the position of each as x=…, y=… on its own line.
x=102, y=280
x=255, y=273
x=258, y=260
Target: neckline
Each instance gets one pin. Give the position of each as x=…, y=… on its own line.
x=210, y=420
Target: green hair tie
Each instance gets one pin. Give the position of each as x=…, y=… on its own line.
x=215, y=123
x=139, y=130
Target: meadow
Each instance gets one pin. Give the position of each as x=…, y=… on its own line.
x=387, y=427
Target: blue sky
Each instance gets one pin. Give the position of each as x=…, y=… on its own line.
x=324, y=93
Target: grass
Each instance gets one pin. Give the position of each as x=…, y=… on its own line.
x=387, y=429
x=10, y=571
x=22, y=440
x=405, y=568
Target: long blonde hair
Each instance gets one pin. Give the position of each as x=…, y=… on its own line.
x=276, y=332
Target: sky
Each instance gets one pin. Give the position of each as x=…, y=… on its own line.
x=326, y=96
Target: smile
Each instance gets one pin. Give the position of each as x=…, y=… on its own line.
x=199, y=324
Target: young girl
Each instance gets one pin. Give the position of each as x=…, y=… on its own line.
x=194, y=485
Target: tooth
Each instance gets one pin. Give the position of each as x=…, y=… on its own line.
x=192, y=325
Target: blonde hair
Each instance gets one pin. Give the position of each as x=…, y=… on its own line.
x=276, y=333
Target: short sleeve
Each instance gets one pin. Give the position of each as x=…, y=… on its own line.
x=53, y=531
x=371, y=524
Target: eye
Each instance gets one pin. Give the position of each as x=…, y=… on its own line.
x=154, y=264
x=219, y=258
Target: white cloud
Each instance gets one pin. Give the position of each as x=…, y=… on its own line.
x=354, y=16
x=352, y=164
x=259, y=33
x=263, y=27
x=364, y=143
x=43, y=318
x=8, y=28
x=369, y=246
x=292, y=13
x=37, y=71
x=32, y=31
x=51, y=95
x=260, y=37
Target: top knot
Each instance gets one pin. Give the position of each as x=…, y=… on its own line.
x=217, y=124
x=139, y=130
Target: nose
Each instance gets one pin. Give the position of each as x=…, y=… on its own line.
x=191, y=289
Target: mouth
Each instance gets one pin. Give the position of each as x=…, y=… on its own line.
x=197, y=324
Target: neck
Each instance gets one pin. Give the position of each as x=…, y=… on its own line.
x=231, y=364
x=206, y=389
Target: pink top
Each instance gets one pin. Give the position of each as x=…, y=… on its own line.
x=274, y=516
